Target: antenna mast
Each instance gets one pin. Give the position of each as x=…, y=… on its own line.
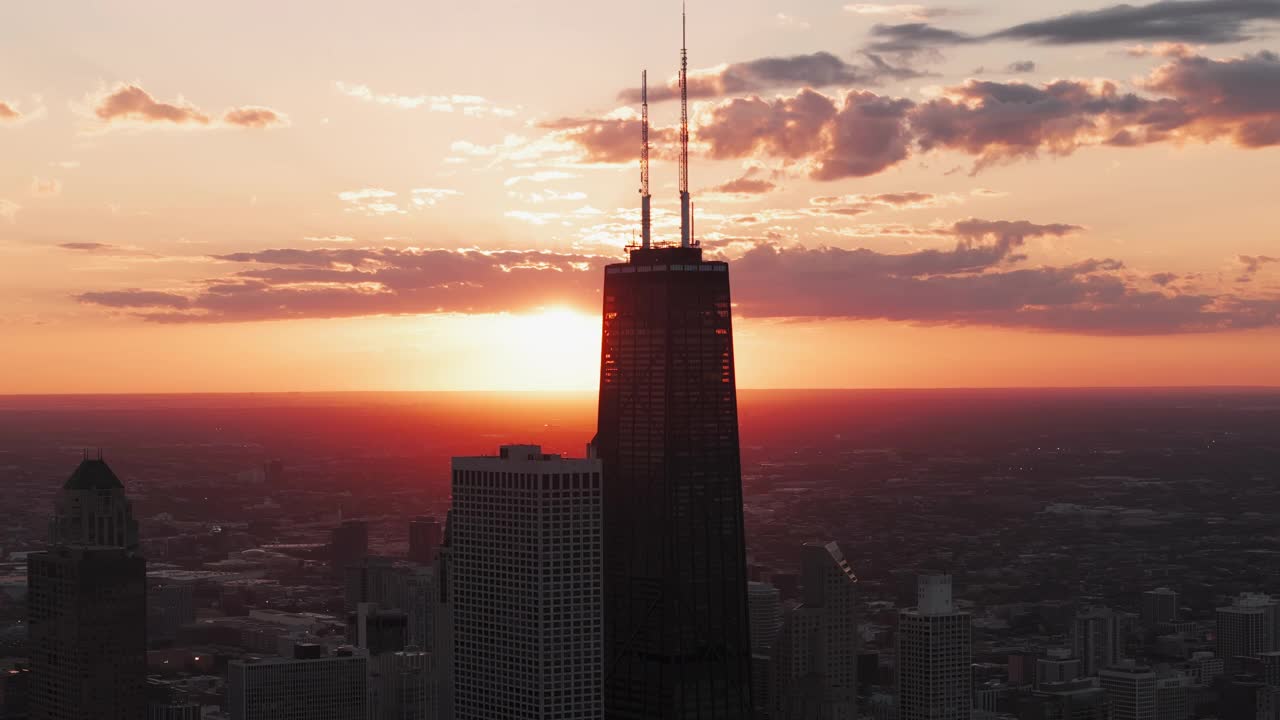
x=645, y=200
x=684, y=129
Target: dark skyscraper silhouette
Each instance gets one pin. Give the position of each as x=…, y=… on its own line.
x=676, y=639
x=675, y=578
x=87, y=605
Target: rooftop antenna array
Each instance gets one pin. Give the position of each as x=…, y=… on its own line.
x=646, y=236
x=685, y=224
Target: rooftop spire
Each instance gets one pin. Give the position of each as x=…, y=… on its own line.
x=685, y=229
x=645, y=199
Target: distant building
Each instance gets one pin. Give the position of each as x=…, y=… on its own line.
x=1058, y=666
x=304, y=687
x=815, y=658
x=87, y=613
x=348, y=545
x=524, y=582
x=764, y=603
x=935, y=655
x=1174, y=698
x=1159, y=606
x=394, y=585
x=1096, y=639
x=1131, y=690
x=378, y=630
x=1245, y=629
x=173, y=711
x=440, y=673
x=398, y=685
x=1079, y=699
x=170, y=606
x=424, y=537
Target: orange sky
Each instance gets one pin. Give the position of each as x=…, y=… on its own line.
x=317, y=196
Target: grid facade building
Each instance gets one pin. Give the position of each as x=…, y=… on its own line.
x=1095, y=639
x=677, y=643
x=277, y=688
x=87, y=614
x=815, y=661
x=1245, y=629
x=935, y=656
x=1131, y=691
x=525, y=587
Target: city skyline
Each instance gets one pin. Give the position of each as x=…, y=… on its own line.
x=899, y=188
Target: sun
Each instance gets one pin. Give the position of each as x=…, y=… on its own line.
x=555, y=348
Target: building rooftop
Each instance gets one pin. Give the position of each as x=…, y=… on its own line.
x=93, y=474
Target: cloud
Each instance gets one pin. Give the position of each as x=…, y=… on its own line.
x=860, y=133
x=469, y=105
x=790, y=22
x=1182, y=21
x=45, y=187
x=254, y=117
x=745, y=185
x=541, y=176
x=1252, y=264
x=607, y=140
x=9, y=210
x=87, y=246
x=854, y=205
x=329, y=283
x=983, y=278
x=9, y=112
x=820, y=69
x=330, y=239
x=1020, y=67
x=910, y=12
x=131, y=102
x=533, y=218
x=429, y=197
x=1197, y=21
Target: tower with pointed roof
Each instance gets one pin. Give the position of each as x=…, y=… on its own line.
x=93, y=509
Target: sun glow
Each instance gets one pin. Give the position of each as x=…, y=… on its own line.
x=554, y=349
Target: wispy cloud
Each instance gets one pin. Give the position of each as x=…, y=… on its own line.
x=469, y=105
x=128, y=104
x=9, y=210
x=45, y=187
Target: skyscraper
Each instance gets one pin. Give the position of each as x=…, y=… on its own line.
x=87, y=605
x=524, y=581
x=935, y=655
x=424, y=538
x=308, y=686
x=676, y=631
x=348, y=545
x=1159, y=606
x=1245, y=629
x=765, y=606
x=1131, y=690
x=1095, y=639
x=815, y=661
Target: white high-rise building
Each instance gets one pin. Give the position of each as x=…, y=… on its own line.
x=525, y=566
x=1246, y=628
x=935, y=655
x=814, y=666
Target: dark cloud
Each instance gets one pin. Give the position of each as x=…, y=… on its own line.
x=820, y=69
x=1190, y=21
x=745, y=185
x=854, y=205
x=130, y=102
x=610, y=140
x=982, y=279
x=1194, y=21
x=860, y=133
x=253, y=117
x=1252, y=264
x=908, y=40
x=135, y=299
x=1020, y=67
x=87, y=246
x=327, y=283
x=8, y=112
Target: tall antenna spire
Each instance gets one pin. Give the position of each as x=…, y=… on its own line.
x=645, y=199
x=684, y=127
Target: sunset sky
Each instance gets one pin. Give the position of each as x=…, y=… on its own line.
x=419, y=195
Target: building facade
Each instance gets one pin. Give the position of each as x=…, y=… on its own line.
x=935, y=655
x=1095, y=639
x=676, y=632
x=1245, y=629
x=298, y=688
x=525, y=586
x=814, y=668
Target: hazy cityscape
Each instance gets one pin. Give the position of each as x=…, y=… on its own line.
x=1091, y=536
